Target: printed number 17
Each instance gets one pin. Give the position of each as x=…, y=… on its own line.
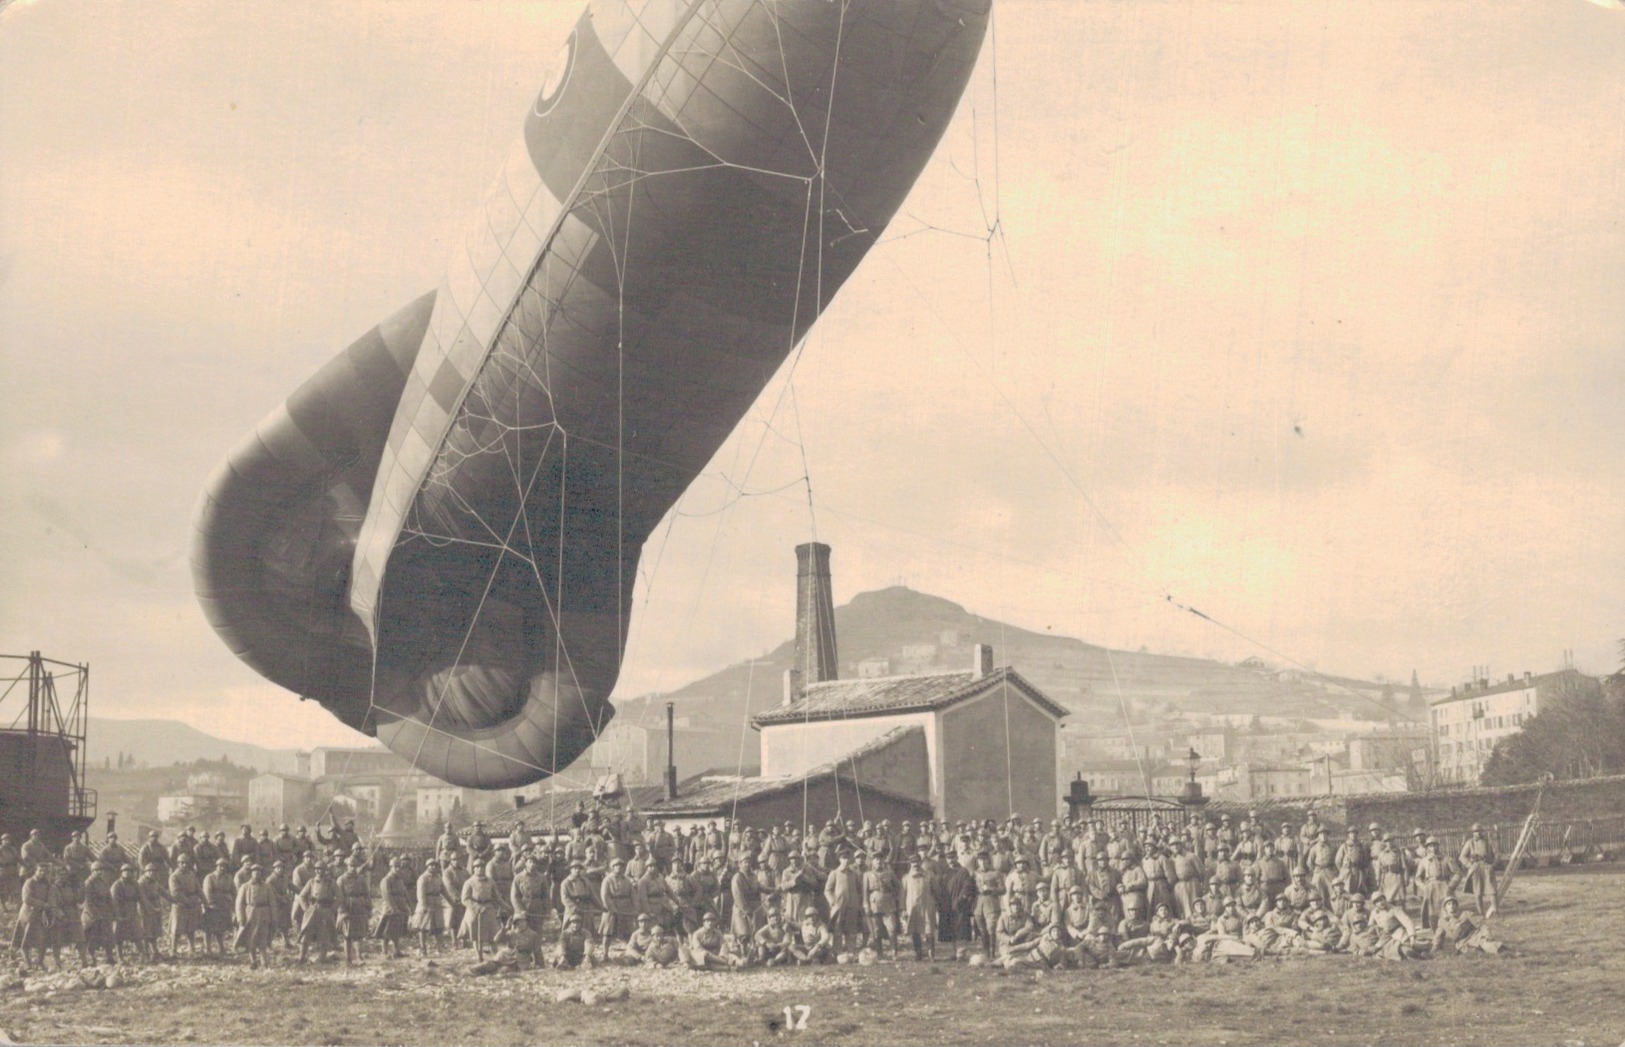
x=795, y=1018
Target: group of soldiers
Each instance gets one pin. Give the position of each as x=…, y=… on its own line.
x=616, y=890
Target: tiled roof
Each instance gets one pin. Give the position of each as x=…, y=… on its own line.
x=887, y=695
x=724, y=795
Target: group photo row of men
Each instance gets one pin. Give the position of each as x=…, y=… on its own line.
x=614, y=889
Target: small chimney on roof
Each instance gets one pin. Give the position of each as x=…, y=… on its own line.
x=981, y=661
x=792, y=686
x=815, y=614
x=1528, y=677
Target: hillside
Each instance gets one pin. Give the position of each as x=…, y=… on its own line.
x=162, y=743
x=916, y=632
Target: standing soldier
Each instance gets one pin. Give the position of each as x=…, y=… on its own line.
x=532, y=896
x=1273, y=871
x=281, y=902
x=745, y=892
x=1390, y=867
x=429, y=917
x=32, y=930
x=843, y=893
x=128, y=928
x=920, y=910
x=481, y=911
x=1477, y=861
x=1321, y=860
x=989, y=903
x=880, y=897
x=186, y=912
x=394, y=907
x=453, y=875
x=254, y=903
x=68, y=916
x=155, y=902
x=33, y=854
x=219, y=903
x=1432, y=881
x=957, y=906
x=1187, y=880
x=10, y=862
x=318, y=912
x=153, y=852
x=78, y=856
x=354, y=909
x=579, y=898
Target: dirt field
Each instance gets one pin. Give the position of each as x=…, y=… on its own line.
x=1565, y=985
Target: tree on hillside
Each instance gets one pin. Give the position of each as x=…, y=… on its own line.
x=1578, y=733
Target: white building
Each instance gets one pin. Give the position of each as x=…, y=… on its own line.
x=1468, y=721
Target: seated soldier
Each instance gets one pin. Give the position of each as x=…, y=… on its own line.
x=1316, y=928
x=662, y=951
x=708, y=946
x=1016, y=932
x=571, y=950
x=518, y=948
x=1396, y=932
x=817, y=943
x=1457, y=933
x=641, y=939
x=773, y=942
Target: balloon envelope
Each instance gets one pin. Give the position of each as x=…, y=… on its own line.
x=437, y=536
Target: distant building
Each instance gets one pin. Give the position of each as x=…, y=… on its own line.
x=1468, y=721
x=275, y=798
x=637, y=751
x=334, y=762
x=1256, y=780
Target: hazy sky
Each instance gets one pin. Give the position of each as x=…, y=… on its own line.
x=1309, y=315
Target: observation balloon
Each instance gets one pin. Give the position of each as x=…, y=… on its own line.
x=436, y=537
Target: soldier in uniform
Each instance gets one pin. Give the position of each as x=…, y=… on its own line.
x=531, y=896
x=1321, y=860
x=920, y=910
x=255, y=906
x=219, y=901
x=429, y=915
x=354, y=916
x=1477, y=860
x=127, y=926
x=619, y=897
x=481, y=910
x=1457, y=933
x=395, y=906
x=772, y=941
x=10, y=861
x=186, y=912
x=707, y=946
x=32, y=932
x=318, y=913
x=570, y=951
x=1273, y=873
x=843, y=893
x=155, y=902
x=153, y=852
x=880, y=902
x=816, y=944
x=32, y=854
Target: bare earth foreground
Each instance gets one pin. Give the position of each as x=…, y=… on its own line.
x=1565, y=985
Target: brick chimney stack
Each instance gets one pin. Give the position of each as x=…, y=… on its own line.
x=815, y=615
x=981, y=661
